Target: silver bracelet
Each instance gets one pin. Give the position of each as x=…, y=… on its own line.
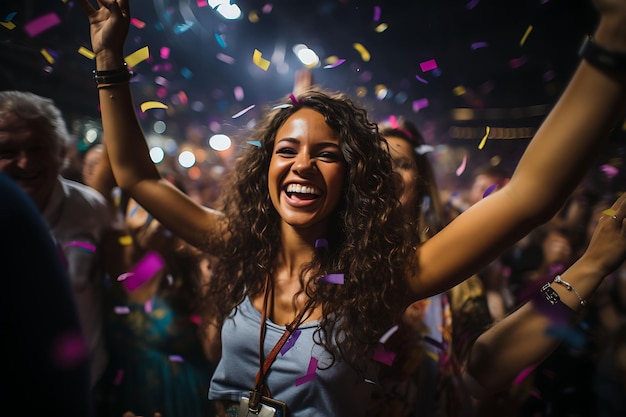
x=569, y=287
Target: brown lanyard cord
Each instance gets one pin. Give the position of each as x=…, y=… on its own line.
x=264, y=364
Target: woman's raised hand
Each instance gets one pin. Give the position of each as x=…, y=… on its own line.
x=109, y=25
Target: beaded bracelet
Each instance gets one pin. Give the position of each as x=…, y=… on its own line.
x=602, y=57
x=108, y=78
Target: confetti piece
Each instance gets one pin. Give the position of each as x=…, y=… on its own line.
x=238, y=93
x=424, y=149
x=335, y=64
x=609, y=170
x=138, y=56
x=182, y=27
x=69, y=350
x=332, y=279
x=429, y=65
x=383, y=355
x=41, y=24
x=164, y=52
x=290, y=342
x=242, y=112
x=86, y=52
x=9, y=25
x=388, y=334
x=47, y=56
x=294, y=100
x=420, y=104
x=121, y=310
x=202, y=3
x=220, y=40
x=10, y=16
x=381, y=28
x=144, y=270
x=609, y=212
x=365, y=55
x=310, y=374
x=459, y=91
x=137, y=23
x=321, y=243
x=259, y=61
x=478, y=45
x=517, y=62
x=119, y=376
x=88, y=247
x=186, y=72
x=267, y=8
x=461, y=168
x=125, y=240
x=377, y=13
x=472, y=4
x=176, y=358
x=254, y=143
x=225, y=58
x=526, y=34
x=124, y=276
x=147, y=306
x=253, y=16
x=282, y=106
x=152, y=105
x=490, y=190
x=195, y=319
x=484, y=139
x=420, y=79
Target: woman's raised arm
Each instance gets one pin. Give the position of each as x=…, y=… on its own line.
x=556, y=160
x=126, y=145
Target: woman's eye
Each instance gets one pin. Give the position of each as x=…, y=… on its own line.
x=286, y=151
x=329, y=156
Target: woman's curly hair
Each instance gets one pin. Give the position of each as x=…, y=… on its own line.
x=367, y=237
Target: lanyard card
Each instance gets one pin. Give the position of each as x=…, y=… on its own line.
x=268, y=407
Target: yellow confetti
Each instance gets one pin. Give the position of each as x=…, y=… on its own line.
x=253, y=16
x=152, y=105
x=125, y=240
x=609, y=212
x=8, y=25
x=86, y=52
x=459, y=90
x=381, y=28
x=526, y=34
x=47, y=55
x=138, y=56
x=365, y=55
x=259, y=61
x=484, y=139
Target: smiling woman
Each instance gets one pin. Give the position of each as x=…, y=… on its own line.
x=323, y=278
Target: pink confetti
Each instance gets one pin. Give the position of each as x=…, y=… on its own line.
x=144, y=270
x=121, y=310
x=147, y=306
x=310, y=373
x=137, y=23
x=461, y=168
x=125, y=275
x=383, y=355
x=429, y=65
x=332, y=279
x=609, y=170
x=41, y=24
x=195, y=319
x=119, y=376
x=83, y=245
x=242, y=112
x=176, y=358
x=517, y=62
x=238, y=93
x=267, y=8
x=420, y=104
x=304, y=379
x=69, y=350
x=225, y=58
x=335, y=64
x=202, y=3
x=165, y=52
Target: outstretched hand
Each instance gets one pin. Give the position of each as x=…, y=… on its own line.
x=108, y=24
x=607, y=248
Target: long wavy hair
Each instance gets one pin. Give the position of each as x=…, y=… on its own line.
x=367, y=237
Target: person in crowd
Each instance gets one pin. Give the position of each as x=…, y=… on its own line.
x=435, y=333
x=314, y=259
x=152, y=325
x=43, y=339
x=33, y=138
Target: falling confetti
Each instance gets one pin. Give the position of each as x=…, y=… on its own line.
x=490, y=190
x=138, y=56
x=461, y=169
x=335, y=64
x=526, y=34
x=290, y=342
x=478, y=45
x=41, y=24
x=259, y=61
x=47, y=56
x=86, y=52
x=144, y=270
x=383, y=355
x=484, y=139
x=332, y=279
x=87, y=247
x=365, y=55
x=429, y=65
x=310, y=374
x=609, y=212
x=152, y=105
x=242, y=112
x=137, y=23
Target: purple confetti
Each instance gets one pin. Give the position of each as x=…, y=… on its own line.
x=420, y=79
x=472, y=4
x=478, y=45
x=332, y=279
x=83, y=245
x=176, y=358
x=290, y=342
x=420, y=104
x=121, y=310
x=119, y=376
x=335, y=64
x=490, y=190
x=69, y=350
x=310, y=373
x=609, y=170
x=376, y=13
x=321, y=243
x=383, y=355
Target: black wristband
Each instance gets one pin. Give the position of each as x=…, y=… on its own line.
x=602, y=58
